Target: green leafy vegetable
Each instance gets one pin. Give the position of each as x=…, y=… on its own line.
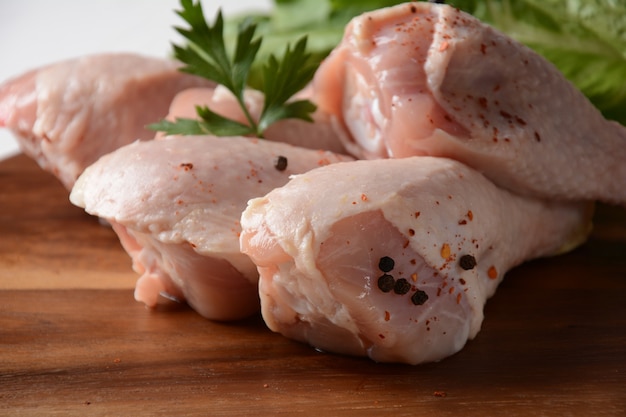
x=206, y=55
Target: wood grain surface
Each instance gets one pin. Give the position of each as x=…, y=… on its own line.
x=74, y=342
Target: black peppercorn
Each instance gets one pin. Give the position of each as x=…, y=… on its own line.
x=386, y=264
x=467, y=262
x=419, y=297
x=386, y=283
x=402, y=286
x=280, y=163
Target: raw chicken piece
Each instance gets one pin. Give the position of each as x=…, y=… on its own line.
x=427, y=79
x=68, y=114
x=175, y=204
x=440, y=234
x=322, y=134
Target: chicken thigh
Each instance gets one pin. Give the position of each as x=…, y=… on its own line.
x=428, y=79
x=395, y=258
x=68, y=114
x=175, y=204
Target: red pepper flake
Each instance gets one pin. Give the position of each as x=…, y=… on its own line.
x=414, y=277
x=444, y=45
x=440, y=394
x=411, y=232
x=382, y=336
x=186, y=166
x=495, y=134
x=492, y=272
x=363, y=197
x=458, y=298
x=470, y=215
x=537, y=137
x=445, y=251
x=387, y=315
x=505, y=114
x=462, y=222
x=417, y=214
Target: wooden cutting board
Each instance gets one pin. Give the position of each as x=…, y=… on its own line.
x=74, y=342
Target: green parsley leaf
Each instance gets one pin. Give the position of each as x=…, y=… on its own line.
x=205, y=54
x=208, y=123
x=284, y=78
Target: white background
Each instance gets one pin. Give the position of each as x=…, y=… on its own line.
x=39, y=32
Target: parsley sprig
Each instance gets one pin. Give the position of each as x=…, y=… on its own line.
x=205, y=54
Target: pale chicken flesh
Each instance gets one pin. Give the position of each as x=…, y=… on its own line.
x=427, y=79
x=67, y=114
x=395, y=258
x=175, y=204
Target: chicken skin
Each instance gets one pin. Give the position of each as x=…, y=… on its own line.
x=175, y=204
x=68, y=114
x=428, y=79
